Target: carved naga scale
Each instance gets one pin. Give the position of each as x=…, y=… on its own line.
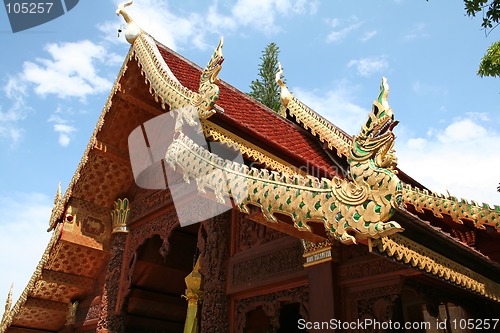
x=354, y=208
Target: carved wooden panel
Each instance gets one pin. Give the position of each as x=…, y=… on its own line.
x=274, y=261
x=271, y=304
x=111, y=318
x=249, y=234
x=147, y=201
x=89, y=219
x=214, y=250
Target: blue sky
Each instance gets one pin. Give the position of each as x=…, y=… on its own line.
x=56, y=77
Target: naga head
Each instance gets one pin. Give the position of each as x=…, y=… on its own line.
x=211, y=71
x=208, y=92
x=376, y=139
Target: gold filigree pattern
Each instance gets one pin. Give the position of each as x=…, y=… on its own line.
x=458, y=210
x=247, y=148
x=417, y=256
x=355, y=208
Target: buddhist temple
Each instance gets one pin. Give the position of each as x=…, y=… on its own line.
x=318, y=230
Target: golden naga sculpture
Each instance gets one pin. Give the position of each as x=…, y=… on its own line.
x=208, y=92
x=358, y=207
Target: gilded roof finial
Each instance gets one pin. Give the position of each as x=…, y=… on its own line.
x=8, y=301
x=285, y=94
x=58, y=196
x=132, y=30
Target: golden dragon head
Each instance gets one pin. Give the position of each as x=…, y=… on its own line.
x=211, y=71
x=376, y=139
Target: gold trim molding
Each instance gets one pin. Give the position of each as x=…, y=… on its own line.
x=420, y=257
x=317, y=253
x=247, y=148
x=312, y=121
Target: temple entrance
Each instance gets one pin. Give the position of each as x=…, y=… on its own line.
x=154, y=303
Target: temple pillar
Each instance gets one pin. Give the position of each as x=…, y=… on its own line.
x=111, y=319
x=321, y=271
x=214, y=247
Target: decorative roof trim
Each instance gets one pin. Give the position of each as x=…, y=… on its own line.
x=247, y=148
x=8, y=317
x=422, y=258
x=167, y=90
x=310, y=120
x=458, y=210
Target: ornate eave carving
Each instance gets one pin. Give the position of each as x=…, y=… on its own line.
x=415, y=255
x=355, y=208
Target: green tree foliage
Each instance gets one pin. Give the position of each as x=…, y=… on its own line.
x=265, y=89
x=490, y=64
x=490, y=9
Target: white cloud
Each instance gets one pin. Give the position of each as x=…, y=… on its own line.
x=16, y=92
x=460, y=158
x=336, y=106
x=72, y=71
x=368, y=35
x=62, y=127
x=422, y=88
x=23, y=238
x=418, y=31
x=369, y=66
x=348, y=26
x=177, y=30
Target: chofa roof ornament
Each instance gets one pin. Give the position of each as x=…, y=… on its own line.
x=132, y=30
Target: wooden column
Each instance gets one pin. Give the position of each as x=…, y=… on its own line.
x=214, y=247
x=323, y=287
x=111, y=319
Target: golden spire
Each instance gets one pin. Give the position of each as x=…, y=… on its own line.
x=285, y=94
x=8, y=302
x=58, y=196
x=57, y=210
x=132, y=30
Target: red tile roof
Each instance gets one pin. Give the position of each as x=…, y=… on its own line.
x=255, y=122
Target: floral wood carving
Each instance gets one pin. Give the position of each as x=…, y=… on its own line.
x=271, y=305
x=214, y=249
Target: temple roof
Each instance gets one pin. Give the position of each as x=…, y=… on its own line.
x=254, y=121
x=276, y=142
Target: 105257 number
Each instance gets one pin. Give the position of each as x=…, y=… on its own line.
x=29, y=7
